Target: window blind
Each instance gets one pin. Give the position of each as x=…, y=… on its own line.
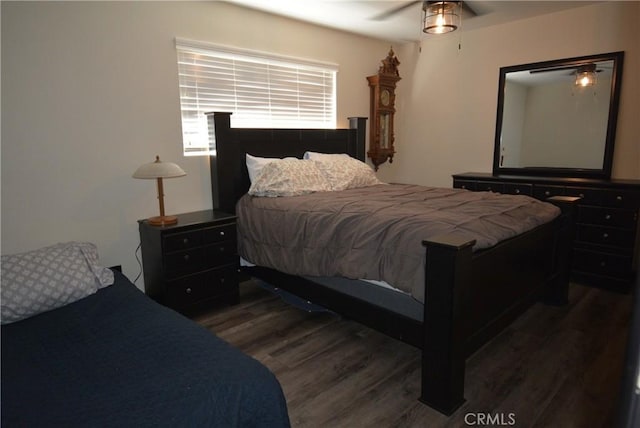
x=261, y=90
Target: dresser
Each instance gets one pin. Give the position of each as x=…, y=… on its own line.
x=193, y=263
x=606, y=246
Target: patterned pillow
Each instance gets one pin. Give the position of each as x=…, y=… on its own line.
x=289, y=177
x=344, y=172
x=48, y=278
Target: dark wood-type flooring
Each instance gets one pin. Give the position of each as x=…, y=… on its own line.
x=554, y=367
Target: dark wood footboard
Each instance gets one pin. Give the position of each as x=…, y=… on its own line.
x=470, y=297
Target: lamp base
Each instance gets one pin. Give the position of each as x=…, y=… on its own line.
x=164, y=220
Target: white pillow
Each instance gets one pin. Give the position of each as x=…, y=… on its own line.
x=48, y=278
x=344, y=172
x=255, y=165
x=289, y=177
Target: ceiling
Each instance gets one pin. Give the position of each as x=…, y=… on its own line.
x=356, y=16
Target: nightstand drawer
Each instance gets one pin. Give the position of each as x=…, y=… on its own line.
x=191, y=289
x=181, y=241
x=605, y=236
x=607, y=216
x=601, y=263
x=219, y=233
x=209, y=256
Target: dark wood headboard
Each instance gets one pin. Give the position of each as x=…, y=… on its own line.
x=229, y=176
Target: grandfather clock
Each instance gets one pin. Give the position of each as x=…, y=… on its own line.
x=383, y=86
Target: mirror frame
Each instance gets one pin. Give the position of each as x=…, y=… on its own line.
x=616, y=80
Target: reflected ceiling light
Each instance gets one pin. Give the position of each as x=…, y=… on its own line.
x=586, y=75
x=441, y=17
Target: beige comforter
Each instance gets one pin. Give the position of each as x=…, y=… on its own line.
x=376, y=232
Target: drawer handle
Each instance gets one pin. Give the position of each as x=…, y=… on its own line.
x=188, y=290
x=185, y=241
x=607, y=217
x=581, y=195
x=186, y=257
x=221, y=249
x=517, y=191
x=605, y=235
x=547, y=193
x=222, y=233
x=619, y=198
x=221, y=280
x=463, y=187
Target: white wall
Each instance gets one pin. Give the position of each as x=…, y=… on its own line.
x=448, y=97
x=90, y=92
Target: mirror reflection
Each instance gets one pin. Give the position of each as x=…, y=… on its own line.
x=557, y=115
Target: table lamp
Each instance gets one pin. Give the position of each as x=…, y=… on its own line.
x=160, y=170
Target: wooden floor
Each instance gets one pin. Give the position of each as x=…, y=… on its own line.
x=554, y=367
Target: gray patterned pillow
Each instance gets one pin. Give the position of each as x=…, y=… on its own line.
x=344, y=172
x=289, y=177
x=48, y=278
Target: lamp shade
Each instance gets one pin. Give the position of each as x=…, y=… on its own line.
x=159, y=169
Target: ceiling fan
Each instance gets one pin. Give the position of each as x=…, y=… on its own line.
x=467, y=10
x=578, y=68
x=585, y=74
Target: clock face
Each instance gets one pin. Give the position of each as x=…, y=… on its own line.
x=385, y=97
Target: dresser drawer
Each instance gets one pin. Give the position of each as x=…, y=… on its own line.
x=464, y=184
x=589, y=196
x=544, y=192
x=518, y=189
x=607, y=216
x=191, y=289
x=489, y=186
x=599, y=263
x=607, y=236
x=621, y=198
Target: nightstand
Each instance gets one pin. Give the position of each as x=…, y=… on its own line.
x=193, y=263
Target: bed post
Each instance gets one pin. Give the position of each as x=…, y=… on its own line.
x=557, y=292
x=360, y=125
x=222, y=191
x=443, y=353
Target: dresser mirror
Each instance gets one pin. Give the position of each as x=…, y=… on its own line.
x=558, y=118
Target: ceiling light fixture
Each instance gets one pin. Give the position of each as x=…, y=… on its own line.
x=586, y=75
x=441, y=17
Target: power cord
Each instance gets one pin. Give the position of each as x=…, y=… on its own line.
x=139, y=262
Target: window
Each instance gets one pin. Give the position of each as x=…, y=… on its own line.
x=261, y=90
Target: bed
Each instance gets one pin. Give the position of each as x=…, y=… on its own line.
x=469, y=295
x=117, y=358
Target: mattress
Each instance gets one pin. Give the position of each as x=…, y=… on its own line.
x=376, y=232
x=116, y=358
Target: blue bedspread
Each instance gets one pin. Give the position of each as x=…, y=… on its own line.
x=118, y=359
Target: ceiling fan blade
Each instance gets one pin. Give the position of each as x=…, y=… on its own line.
x=389, y=13
x=468, y=11
x=546, y=70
